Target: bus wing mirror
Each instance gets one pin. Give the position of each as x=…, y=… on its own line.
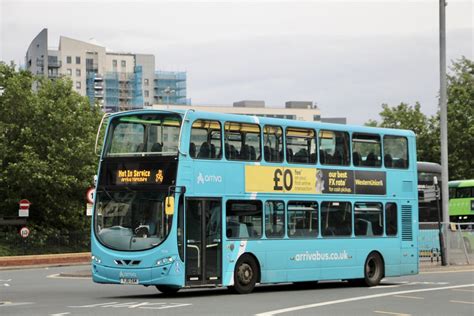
x=169, y=205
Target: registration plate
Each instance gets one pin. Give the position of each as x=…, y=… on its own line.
x=128, y=281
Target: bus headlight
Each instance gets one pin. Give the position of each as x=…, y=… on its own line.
x=164, y=261
x=96, y=259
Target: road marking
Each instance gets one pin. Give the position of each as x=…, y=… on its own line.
x=413, y=297
x=391, y=313
x=448, y=271
x=462, y=290
x=60, y=314
x=6, y=280
x=3, y=304
x=141, y=305
x=381, y=286
x=59, y=276
x=462, y=302
x=359, y=298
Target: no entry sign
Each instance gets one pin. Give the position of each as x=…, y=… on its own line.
x=24, y=210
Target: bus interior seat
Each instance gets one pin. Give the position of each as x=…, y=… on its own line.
x=267, y=153
x=157, y=147
x=313, y=158
x=301, y=156
x=322, y=156
x=213, y=151
x=245, y=153
x=337, y=157
x=192, y=150
x=370, y=160
x=253, y=153
x=204, y=150
x=388, y=160
x=356, y=158
x=140, y=148
x=233, y=152
x=289, y=154
x=400, y=163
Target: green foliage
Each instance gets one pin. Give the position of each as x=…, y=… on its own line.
x=427, y=129
x=47, y=137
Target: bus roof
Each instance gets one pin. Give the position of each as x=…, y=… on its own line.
x=461, y=183
x=272, y=121
x=431, y=167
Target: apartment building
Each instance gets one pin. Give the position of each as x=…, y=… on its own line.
x=117, y=81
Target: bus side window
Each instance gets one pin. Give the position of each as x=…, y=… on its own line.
x=206, y=140
x=242, y=141
x=244, y=219
x=274, y=219
x=334, y=147
x=368, y=219
x=366, y=150
x=391, y=221
x=302, y=219
x=300, y=145
x=395, y=150
x=273, y=143
x=336, y=219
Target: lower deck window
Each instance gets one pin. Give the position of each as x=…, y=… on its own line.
x=336, y=219
x=244, y=219
x=302, y=219
x=368, y=219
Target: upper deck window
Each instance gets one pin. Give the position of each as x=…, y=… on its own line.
x=300, y=145
x=242, y=141
x=366, y=150
x=273, y=143
x=395, y=150
x=206, y=140
x=333, y=148
x=143, y=135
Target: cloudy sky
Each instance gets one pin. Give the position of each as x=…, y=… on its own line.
x=347, y=56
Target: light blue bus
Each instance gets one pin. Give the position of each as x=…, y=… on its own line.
x=196, y=199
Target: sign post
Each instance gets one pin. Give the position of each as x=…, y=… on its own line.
x=24, y=209
x=24, y=233
x=90, y=200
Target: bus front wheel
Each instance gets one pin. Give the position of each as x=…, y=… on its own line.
x=245, y=275
x=373, y=269
x=168, y=290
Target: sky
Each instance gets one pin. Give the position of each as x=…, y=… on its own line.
x=349, y=57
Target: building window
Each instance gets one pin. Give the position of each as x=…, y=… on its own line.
x=123, y=63
x=336, y=219
x=146, y=82
x=206, y=140
x=244, y=219
x=274, y=219
x=78, y=60
x=69, y=72
x=302, y=219
x=78, y=85
x=78, y=72
x=114, y=63
x=69, y=59
x=317, y=117
x=147, y=103
x=366, y=150
x=147, y=93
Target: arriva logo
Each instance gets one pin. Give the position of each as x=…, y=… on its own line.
x=201, y=179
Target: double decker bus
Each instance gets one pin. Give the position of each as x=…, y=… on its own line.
x=196, y=199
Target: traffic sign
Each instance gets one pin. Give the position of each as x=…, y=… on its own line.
x=90, y=195
x=24, y=209
x=24, y=232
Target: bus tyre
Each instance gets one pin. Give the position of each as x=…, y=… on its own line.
x=373, y=269
x=168, y=290
x=245, y=275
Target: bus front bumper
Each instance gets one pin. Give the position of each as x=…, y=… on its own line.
x=171, y=274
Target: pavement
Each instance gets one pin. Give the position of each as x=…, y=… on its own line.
x=15, y=262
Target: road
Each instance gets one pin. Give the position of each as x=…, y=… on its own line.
x=45, y=291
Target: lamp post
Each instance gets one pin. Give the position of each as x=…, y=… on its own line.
x=168, y=91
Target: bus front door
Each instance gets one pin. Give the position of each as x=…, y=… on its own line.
x=203, y=241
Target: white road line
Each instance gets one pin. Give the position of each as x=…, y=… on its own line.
x=462, y=302
x=15, y=304
x=60, y=314
x=391, y=313
x=359, y=298
x=59, y=276
x=6, y=280
x=413, y=297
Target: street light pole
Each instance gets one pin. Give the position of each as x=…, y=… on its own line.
x=443, y=117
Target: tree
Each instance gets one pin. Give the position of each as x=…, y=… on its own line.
x=461, y=120
x=46, y=149
x=427, y=129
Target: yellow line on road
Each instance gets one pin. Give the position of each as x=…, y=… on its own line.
x=391, y=313
x=413, y=297
x=462, y=302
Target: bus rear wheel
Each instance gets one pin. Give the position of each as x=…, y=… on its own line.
x=373, y=269
x=245, y=275
x=168, y=290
